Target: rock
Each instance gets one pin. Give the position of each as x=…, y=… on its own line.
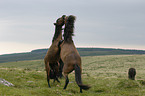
x=6, y=83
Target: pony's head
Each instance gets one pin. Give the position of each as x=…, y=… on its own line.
x=65, y=21
x=60, y=21
x=69, y=19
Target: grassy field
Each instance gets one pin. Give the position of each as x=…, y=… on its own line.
x=107, y=76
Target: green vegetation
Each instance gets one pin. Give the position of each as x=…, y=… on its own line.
x=40, y=53
x=106, y=74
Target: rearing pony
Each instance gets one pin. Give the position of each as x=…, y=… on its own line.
x=52, y=57
x=70, y=55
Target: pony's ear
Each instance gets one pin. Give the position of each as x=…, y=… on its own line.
x=63, y=16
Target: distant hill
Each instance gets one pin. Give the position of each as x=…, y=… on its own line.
x=40, y=53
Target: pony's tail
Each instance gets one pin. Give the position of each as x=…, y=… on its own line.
x=78, y=78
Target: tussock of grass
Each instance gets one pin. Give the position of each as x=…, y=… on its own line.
x=128, y=84
x=142, y=82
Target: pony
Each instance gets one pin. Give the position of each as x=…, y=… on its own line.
x=70, y=55
x=52, y=57
x=131, y=73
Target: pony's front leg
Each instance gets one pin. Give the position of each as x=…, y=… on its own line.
x=57, y=80
x=66, y=80
x=81, y=90
x=61, y=64
x=57, y=66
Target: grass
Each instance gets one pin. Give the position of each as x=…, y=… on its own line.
x=106, y=74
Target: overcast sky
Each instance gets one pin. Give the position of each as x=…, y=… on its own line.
x=28, y=24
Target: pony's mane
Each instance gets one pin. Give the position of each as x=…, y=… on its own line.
x=69, y=28
x=58, y=30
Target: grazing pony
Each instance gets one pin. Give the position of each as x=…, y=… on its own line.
x=131, y=73
x=52, y=57
x=70, y=55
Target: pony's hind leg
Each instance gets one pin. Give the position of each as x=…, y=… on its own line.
x=66, y=80
x=48, y=78
x=48, y=73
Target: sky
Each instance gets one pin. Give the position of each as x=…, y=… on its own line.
x=26, y=25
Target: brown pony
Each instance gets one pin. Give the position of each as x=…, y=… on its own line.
x=70, y=55
x=52, y=57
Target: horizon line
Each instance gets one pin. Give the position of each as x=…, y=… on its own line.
x=76, y=47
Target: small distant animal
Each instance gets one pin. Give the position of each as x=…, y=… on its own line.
x=131, y=73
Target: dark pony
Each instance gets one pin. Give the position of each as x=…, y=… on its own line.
x=131, y=73
x=70, y=55
x=52, y=57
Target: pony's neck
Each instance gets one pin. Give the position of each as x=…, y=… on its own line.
x=58, y=33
